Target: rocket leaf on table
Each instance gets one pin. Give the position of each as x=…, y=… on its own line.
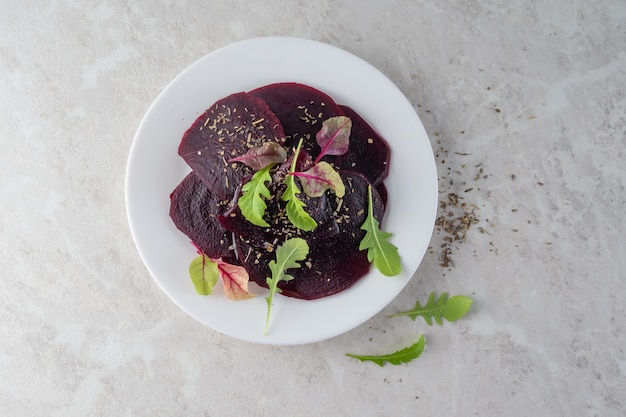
x=295, y=207
x=402, y=356
x=258, y=157
x=252, y=203
x=321, y=177
x=334, y=136
x=451, y=309
x=288, y=255
x=380, y=251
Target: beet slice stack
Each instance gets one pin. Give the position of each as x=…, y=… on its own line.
x=204, y=205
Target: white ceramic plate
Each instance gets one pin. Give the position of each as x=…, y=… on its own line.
x=155, y=169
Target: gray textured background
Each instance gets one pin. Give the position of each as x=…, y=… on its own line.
x=533, y=93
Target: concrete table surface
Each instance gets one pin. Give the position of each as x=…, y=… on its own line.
x=524, y=103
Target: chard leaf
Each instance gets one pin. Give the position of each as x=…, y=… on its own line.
x=259, y=157
x=288, y=255
x=319, y=178
x=402, y=356
x=295, y=207
x=252, y=203
x=334, y=136
x=380, y=251
x=451, y=309
x=203, y=273
x=235, y=279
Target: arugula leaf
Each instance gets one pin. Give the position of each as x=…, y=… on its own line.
x=235, y=279
x=402, y=356
x=379, y=250
x=288, y=255
x=259, y=157
x=251, y=202
x=203, y=273
x=451, y=309
x=321, y=177
x=295, y=207
x=334, y=136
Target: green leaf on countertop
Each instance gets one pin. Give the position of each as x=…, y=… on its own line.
x=402, y=356
x=451, y=309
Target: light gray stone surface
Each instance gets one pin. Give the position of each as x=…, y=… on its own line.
x=533, y=93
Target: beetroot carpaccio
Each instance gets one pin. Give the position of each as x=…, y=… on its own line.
x=204, y=205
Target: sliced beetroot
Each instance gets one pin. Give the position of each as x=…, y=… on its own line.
x=204, y=206
x=368, y=153
x=224, y=131
x=194, y=210
x=333, y=264
x=321, y=209
x=301, y=109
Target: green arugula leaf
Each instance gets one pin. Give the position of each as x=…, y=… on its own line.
x=295, y=207
x=402, y=356
x=451, y=309
x=251, y=203
x=288, y=255
x=203, y=272
x=379, y=250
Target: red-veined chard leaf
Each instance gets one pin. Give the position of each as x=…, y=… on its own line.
x=203, y=273
x=235, y=279
x=252, y=202
x=319, y=178
x=259, y=157
x=334, y=136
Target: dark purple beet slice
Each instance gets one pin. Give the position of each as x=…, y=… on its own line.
x=224, y=131
x=369, y=153
x=333, y=264
x=301, y=110
x=194, y=210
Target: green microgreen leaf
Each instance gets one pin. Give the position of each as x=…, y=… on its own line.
x=295, y=207
x=402, y=356
x=334, y=136
x=288, y=255
x=204, y=274
x=321, y=177
x=258, y=157
x=252, y=203
x=380, y=251
x=451, y=309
